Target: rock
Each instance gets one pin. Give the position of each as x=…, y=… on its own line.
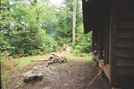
x=32, y=75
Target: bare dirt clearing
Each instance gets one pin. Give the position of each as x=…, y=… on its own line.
x=75, y=74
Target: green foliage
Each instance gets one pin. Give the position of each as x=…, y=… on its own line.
x=38, y=27
x=25, y=35
x=61, y=28
x=83, y=41
x=4, y=45
x=31, y=43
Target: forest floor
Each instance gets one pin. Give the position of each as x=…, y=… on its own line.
x=75, y=74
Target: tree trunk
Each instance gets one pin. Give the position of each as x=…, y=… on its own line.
x=74, y=21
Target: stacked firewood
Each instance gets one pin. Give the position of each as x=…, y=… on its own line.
x=55, y=58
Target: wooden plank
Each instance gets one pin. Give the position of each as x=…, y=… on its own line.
x=125, y=71
x=112, y=50
x=125, y=52
x=125, y=42
x=125, y=33
x=106, y=71
x=125, y=61
x=124, y=13
x=123, y=4
x=101, y=38
x=104, y=68
x=123, y=23
x=107, y=45
x=126, y=81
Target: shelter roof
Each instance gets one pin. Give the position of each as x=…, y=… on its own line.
x=93, y=11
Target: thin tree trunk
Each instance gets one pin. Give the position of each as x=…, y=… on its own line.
x=74, y=21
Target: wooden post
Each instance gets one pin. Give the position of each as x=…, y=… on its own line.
x=112, y=51
x=107, y=46
x=101, y=38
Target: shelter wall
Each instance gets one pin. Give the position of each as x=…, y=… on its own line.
x=122, y=42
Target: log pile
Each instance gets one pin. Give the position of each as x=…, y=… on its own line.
x=55, y=58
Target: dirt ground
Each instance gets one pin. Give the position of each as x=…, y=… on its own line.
x=75, y=74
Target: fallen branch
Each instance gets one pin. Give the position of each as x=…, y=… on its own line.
x=39, y=60
x=94, y=77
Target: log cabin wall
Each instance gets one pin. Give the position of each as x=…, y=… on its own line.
x=121, y=44
x=112, y=23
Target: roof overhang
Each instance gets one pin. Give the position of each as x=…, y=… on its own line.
x=93, y=11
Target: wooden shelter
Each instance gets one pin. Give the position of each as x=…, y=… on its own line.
x=112, y=25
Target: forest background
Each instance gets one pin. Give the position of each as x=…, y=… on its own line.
x=32, y=27
x=29, y=29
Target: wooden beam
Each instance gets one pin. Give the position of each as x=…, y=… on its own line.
x=112, y=50
x=125, y=71
x=125, y=52
x=125, y=43
x=101, y=38
x=125, y=61
x=102, y=66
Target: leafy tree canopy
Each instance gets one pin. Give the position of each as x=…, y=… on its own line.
x=30, y=27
